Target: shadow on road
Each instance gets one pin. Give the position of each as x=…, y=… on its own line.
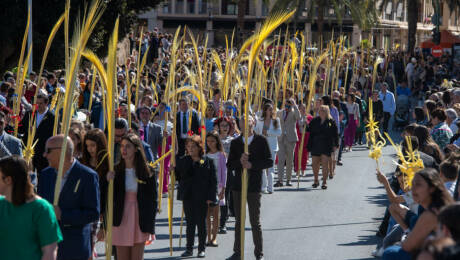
x=319, y=226
x=366, y=240
x=380, y=199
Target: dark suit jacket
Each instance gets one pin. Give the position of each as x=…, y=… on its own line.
x=195, y=123
x=10, y=146
x=197, y=180
x=147, y=196
x=79, y=204
x=44, y=131
x=259, y=156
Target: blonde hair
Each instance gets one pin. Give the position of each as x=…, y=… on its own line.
x=325, y=109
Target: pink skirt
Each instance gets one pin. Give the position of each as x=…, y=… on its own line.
x=129, y=232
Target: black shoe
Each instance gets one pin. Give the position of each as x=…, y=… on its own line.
x=223, y=230
x=260, y=257
x=201, y=254
x=187, y=253
x=288, y=184
x=235, y=256
x=339, y=163
x=278, y=184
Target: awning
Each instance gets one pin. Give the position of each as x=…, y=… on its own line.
x=447, y=40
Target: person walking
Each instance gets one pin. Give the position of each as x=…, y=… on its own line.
x=215, y=151
x=258, y=159
x=323, y=141
x=353, y=119
x=29, y=228
x=78, y=204
x=134, y=200
x=197, y=189
x=287, y=140
x=389, y=105
x=269, y=126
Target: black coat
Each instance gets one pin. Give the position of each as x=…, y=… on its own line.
x=323, y=137
x=195, y=123
x=259, y=156
x=44, y=131
x=197, y=180
x=147, y=200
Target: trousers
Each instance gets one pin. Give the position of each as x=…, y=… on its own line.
x=267, y=176
x=195, y=215
x=253, y=201
x=285, y=155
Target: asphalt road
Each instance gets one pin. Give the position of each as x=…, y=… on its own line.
x=305, y=223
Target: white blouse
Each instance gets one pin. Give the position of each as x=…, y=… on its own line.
x=130, y=180
x=272, y=132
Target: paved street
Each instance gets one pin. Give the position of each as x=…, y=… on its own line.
x=339, y=223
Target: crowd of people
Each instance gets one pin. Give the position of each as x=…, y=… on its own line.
x=422, y=99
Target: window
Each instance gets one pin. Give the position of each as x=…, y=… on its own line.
x=166, y=8
x=229, y=7
x=190, y=6
x=203, y=6
x=389, y=11
x=400, y=12
x=179, y=7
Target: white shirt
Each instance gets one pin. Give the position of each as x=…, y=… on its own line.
x=249, y=139
x=130, y=180
x=272, y=133
x=215, y=159
x=40, y=117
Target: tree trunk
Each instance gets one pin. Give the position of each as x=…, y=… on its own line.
x=320, y=21
x=412, y=17
x=240, y=20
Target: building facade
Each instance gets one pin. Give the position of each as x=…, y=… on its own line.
x=218, y=18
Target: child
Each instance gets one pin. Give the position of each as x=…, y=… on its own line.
x=215, y=151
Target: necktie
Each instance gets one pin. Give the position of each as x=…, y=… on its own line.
x=146, y=134
x=184, y=123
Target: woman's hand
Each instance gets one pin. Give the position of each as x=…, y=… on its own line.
x=380, y=177
x=110, y=175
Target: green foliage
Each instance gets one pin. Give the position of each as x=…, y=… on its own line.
x=45, y=13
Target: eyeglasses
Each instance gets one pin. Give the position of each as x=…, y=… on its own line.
x=50, y=149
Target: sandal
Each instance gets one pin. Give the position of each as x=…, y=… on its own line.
x=324, y=186
x=315, y=184
x=331, y=176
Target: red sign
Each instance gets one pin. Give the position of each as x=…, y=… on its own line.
x=436, y=51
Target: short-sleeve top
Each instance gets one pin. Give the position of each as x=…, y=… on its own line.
x=25, y=229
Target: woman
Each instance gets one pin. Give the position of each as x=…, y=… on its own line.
x=419, y=116
x=77, y=136
x=323, y=141
x=215, y=151
x=361, y=128
x=269, y=126
x=353, y=118
x=426, y=143
x=226, y=135
x=197, y=189
x=30, y=222
x=429, y=192
x=134, y=202
x=210, y=116
x=95, y=156
x=326, y=100
x=441, y=133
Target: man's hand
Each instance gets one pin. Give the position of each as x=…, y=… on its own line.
x=165, y=133
x=245, y=161
x=57, y=212
x=110, y=175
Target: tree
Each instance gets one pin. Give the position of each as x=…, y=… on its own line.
x=45, y=13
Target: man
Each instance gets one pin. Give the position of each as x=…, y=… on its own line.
x=182, y=128
x=121, y=130
x=286, y=142
x=389, y=105
x=8, y=144
x=51, y=84
x=78, y=205
x=377, y=108
x=45, y=125
x=258, y=159
x=153, y=135
x=410, y=69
